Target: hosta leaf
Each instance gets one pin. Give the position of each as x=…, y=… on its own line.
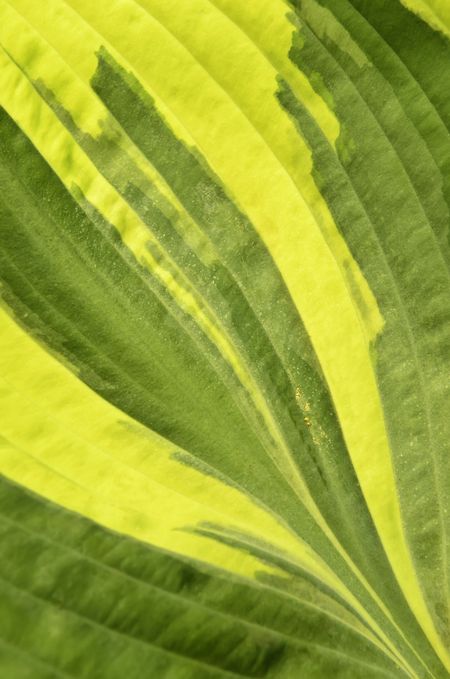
x=225, y=338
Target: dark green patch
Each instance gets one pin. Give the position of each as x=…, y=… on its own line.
x=96, y=604
x=388, y=197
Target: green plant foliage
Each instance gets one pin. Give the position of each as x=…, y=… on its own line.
x=224, y=339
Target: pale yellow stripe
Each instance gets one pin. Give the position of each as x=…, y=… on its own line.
x=270, y=24
x=240, y=68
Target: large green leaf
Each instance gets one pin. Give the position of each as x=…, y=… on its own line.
x=224, y=339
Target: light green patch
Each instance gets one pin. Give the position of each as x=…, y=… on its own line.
x=321, y=20
x=436, y=13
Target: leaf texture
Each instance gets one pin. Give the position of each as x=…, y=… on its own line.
x=225, y=339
